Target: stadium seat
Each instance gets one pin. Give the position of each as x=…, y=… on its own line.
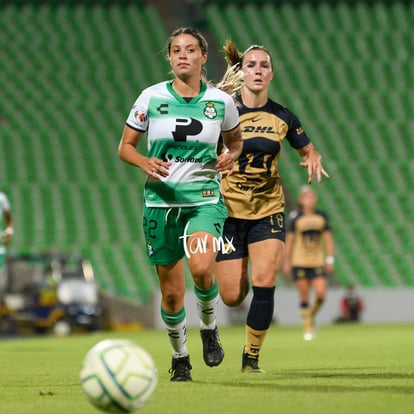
x=350, y=84
x=70, y=73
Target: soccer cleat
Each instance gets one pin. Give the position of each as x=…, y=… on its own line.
x=213, y=352
x=180, y=369
x=308, y=336
x=250, y=363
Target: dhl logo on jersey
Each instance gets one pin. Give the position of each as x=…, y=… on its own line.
x=259, y=130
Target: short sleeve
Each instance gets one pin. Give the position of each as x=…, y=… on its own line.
x=293, y=215
x=4, y=202
x=138, y=116
x=231, y=117
x=327, y=221
x=296, y=136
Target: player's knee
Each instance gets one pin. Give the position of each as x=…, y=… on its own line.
x=234, y=294
x=264, y=280
x=234, y=298
x=202, y=275
x=173, y=299
x=233, y=302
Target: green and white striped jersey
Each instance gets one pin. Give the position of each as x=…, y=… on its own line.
x=185, y=133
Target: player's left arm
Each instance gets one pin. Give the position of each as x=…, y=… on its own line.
x=233, y=142
x=312, y=160
x=329, y=250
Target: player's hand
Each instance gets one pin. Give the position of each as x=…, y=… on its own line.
x=287, y=269
x=156, y=168
x=7, y=239
x=225, y=163
x=313, y=162
x=6, y=236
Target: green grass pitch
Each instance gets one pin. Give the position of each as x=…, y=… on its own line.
x=346, y=369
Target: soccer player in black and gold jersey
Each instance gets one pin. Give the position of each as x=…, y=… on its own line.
x=253, y=194
x=309, y=255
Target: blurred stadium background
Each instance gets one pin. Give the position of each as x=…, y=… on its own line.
x=71, y=69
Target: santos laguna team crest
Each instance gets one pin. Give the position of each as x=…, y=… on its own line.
x=210, y=111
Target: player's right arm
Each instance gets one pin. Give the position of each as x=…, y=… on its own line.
x=287, y=266
x=127, y=151
x=233, y=141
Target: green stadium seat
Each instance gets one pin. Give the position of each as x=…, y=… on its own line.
x=350, y=85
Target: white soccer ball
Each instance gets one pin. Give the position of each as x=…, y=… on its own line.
x=118, y=376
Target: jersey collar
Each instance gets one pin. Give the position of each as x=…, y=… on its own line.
x=180, y=99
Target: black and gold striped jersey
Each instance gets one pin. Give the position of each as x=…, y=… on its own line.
x=308, y=249
x=254, y=191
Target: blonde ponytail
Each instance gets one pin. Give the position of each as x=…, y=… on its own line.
x=232, y=81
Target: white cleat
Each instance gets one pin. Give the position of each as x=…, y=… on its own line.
x=308, y=336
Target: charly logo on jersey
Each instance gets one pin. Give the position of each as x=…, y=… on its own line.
x=210, y=111
x=140, y=116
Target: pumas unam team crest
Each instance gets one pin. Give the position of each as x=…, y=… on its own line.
x=210, y=111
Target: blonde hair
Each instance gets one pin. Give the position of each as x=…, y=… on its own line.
x=232, y=80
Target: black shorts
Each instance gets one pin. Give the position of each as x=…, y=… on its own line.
x=239, y=233
x=307, y=273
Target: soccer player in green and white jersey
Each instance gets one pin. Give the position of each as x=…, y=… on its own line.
x=184, y=210
x=6, y=226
